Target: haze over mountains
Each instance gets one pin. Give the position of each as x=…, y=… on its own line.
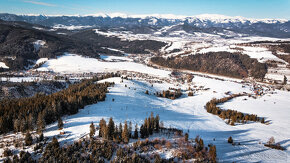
x=207, y=23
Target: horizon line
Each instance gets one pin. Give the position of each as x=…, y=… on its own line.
x=166, y=16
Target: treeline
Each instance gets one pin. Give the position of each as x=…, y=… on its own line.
x=35, y=112
x=233, y=116
x=221, y=63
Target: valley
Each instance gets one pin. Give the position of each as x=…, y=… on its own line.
x=171, y=68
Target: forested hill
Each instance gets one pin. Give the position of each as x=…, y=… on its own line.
x=22, y=43
x=221, y=63
x=17, y=46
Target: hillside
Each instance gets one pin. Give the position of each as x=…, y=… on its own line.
x=221, y=63
x=19, y=46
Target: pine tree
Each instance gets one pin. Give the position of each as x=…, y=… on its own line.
x=136, y=132
x=146, y=127
x=40, y=123
x=146, y=92
x=201, y=144
x=125, y=133
x=285, y=80
x=120, y=130
x=130, y=129
x=59, y=123
x=111, y=129
x=41, y=137
x=157, y=119
x=230, y=140
x=102, y=125
x=263, y=120
x=92, y=130
x=28, y=139
x=54, y=142
x=142, y=131
x=116, y=135
x=212, y=153
x=186, y=137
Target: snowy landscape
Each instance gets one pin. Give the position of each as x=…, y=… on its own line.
x=219, y=84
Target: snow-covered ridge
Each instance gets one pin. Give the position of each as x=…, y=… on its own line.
x=3, y=65
x=217, y=18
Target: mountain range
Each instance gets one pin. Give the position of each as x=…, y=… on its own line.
x=279, y=28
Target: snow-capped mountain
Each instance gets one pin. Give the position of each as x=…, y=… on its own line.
x=261, y=27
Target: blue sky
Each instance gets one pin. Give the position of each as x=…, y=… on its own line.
x=246, y=8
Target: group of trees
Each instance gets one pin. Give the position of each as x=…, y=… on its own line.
x=35, y=112
x=169, y=94
x=124, y=132
x=271, y=144
x=150, y=125
x=222, y=63
x=95, y=149
x=111, y=131
x=233, y=116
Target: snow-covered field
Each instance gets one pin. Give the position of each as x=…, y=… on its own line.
x=71, y=63
x=188, y=113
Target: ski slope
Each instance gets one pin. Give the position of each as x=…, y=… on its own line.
x=188, y=113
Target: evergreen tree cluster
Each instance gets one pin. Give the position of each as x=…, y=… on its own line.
x=150, y=125
x=111, y=131
x=169, y=94
x=102, y=149
x=35, y=112
x=233, y=116
x=222, y=63
x=124, y=132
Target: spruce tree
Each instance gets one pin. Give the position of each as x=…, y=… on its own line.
x=136, y=132
x=40, y=123
x=59, y=123
x=157, y=119
x=230, y=140
x=142, y=131
x=111, y=129
x=186, y=137
x=92, y=130
x=28, y=139
x=41, y=137
x=120, y=130
x=125, y=133
x=285, y=80
x=102, y=125
x=130, y=129
x=212, y=153
x=55, y=142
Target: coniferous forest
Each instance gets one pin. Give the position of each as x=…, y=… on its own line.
x=35, y=112
x=221, y=63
